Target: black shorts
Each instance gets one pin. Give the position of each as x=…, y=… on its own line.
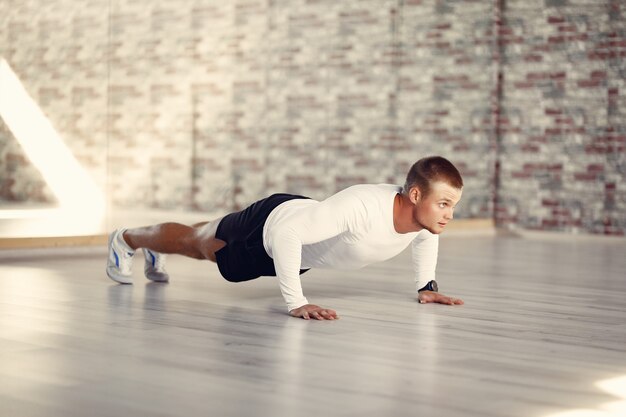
x=244, y=257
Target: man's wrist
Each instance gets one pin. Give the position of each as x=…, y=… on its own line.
x=293, y=306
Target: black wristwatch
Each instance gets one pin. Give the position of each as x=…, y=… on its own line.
x=431, y=286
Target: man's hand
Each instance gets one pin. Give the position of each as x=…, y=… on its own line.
x=311, y=311
x=435, y=297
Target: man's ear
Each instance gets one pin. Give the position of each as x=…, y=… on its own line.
x=415, y=195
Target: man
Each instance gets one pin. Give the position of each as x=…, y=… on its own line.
x=284, y=235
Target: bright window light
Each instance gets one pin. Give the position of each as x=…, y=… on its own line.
x=614, y=386
x=75, y=190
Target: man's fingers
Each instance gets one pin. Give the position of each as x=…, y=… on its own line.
x=310, y=311
x=329, y=314
x=322, y=315
x=455, y=301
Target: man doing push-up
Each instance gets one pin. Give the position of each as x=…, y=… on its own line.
x=284, y=235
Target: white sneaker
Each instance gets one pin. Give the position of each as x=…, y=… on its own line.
x=120, y=261
x=154, y=267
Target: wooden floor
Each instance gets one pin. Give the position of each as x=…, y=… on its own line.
x=542, y=331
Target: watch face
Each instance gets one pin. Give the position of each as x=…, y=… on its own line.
x=434, y=286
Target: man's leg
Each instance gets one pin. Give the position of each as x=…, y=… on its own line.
x=197, y=241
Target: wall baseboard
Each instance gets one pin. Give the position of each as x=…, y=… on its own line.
x=52, y=242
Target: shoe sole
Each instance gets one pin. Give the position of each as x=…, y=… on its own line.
x=119, y=279
x=158, y=279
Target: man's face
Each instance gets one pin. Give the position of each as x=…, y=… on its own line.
x=434, y=211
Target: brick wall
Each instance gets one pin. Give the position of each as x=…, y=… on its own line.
x=563, y=126
x=208, y=106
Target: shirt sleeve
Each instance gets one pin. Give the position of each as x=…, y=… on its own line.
x=340, y=213
x=424, y=250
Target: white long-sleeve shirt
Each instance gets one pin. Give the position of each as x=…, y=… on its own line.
x=348, y=230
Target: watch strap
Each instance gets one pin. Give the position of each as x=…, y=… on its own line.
x=431, y=286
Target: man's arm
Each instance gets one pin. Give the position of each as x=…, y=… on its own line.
x=337, y=214
x=425, y=250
